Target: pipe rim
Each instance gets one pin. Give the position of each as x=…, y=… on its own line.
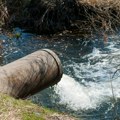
x=55, y=56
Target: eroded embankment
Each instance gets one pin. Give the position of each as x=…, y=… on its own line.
x=51, y=16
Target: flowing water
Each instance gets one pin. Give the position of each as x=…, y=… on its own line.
x=90, y=86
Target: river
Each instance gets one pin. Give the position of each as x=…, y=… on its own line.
x=90, y=86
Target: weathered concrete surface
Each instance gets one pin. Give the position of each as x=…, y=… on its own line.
x=30, y=74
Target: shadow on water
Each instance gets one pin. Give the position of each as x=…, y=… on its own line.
x=89, y=64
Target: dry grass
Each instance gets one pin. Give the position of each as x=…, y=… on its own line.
x=100, y=15
x=12, y=109
x=48, y=16
x=3, y=13
x=103, y=3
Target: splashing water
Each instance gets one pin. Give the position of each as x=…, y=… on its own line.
x=78, y=96
x=91, y=72
x=96, y=83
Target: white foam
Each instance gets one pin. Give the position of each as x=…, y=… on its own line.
x=91, y=94
x=77, y=96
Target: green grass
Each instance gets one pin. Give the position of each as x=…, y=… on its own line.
x=12, y=109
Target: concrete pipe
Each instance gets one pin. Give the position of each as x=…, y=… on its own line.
x=30, y=74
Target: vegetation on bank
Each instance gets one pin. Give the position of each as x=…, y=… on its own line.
x=12, y=109
x=102, y=14
x=51, y=16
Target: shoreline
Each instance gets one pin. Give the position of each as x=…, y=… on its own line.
x=19, y=109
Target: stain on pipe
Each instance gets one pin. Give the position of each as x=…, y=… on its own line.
x=30, y=74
